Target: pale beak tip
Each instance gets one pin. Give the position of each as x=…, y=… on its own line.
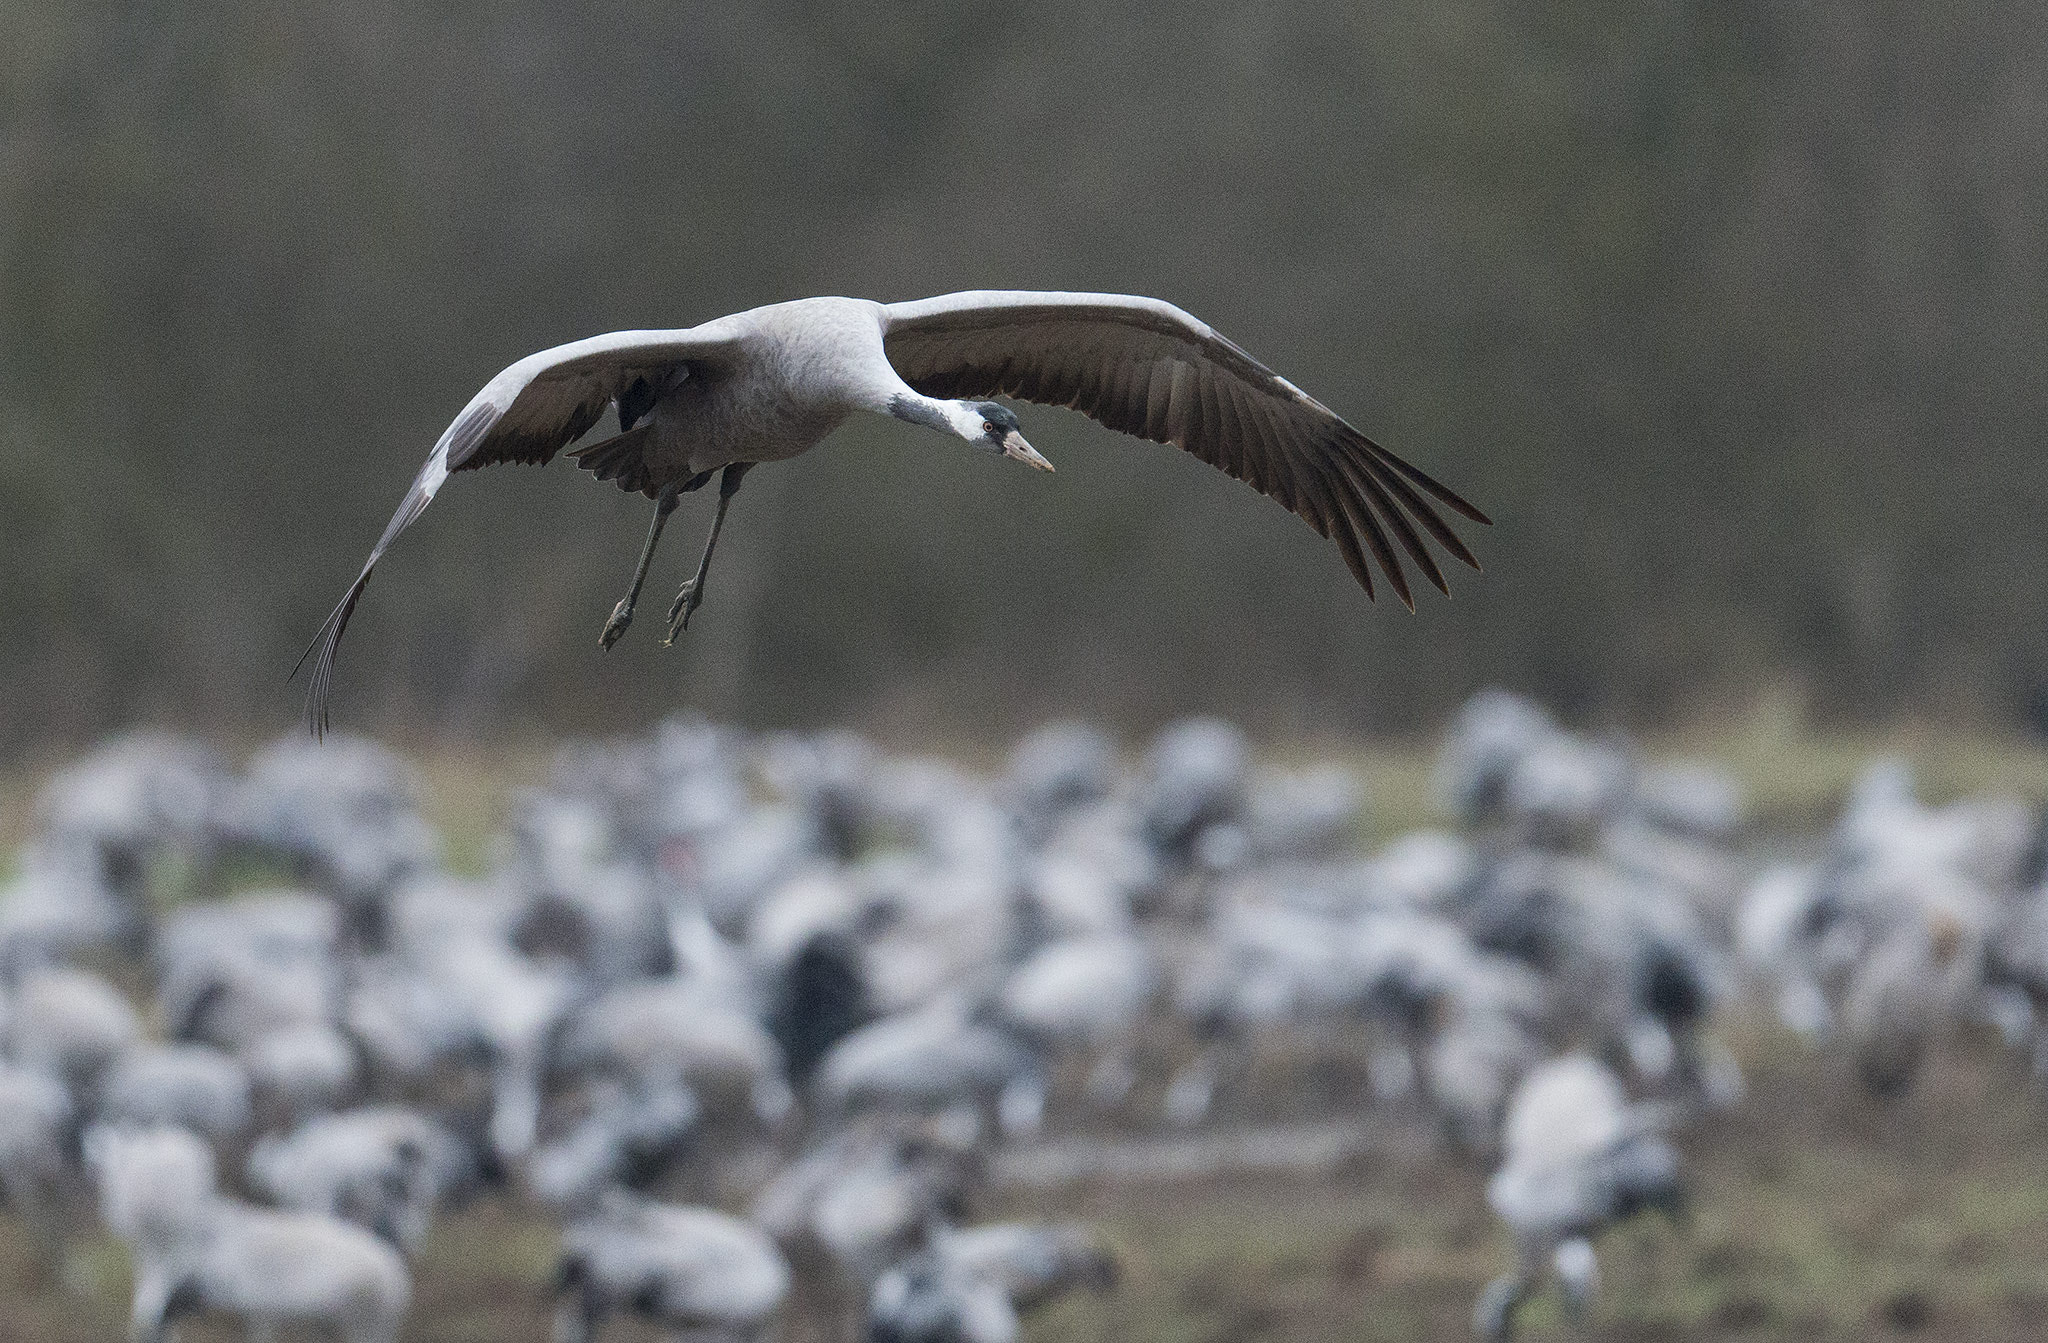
x=1015, y=446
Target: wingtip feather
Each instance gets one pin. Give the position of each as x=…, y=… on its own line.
x=1390, y=512
x=1444, y=493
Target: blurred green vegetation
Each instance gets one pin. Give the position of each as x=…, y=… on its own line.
x=1730, y=315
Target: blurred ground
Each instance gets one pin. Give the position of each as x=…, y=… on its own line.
x=1818, y=1215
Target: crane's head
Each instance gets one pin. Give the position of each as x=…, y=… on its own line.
x=1000, y=433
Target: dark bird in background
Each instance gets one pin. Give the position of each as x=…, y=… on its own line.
x=769, y=384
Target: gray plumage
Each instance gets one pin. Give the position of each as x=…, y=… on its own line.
x=195, y=1249
x=385, y=1168
x=71, y=1024
x=195, y=1086
x=971, y=1286
x=694, y=1271
x=768, y=384
x=1579, y=1159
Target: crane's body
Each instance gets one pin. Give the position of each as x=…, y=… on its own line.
x=771, y=383
x=805, y=366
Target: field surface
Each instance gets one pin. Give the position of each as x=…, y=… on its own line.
x=1817, y=1215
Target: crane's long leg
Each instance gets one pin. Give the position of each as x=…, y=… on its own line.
x=692, y=595
x=622, y=614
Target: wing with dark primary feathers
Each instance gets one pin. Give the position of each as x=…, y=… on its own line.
x=1145, y=368
x=528, y=414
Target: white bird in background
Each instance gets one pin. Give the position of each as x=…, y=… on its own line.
x=770, y=383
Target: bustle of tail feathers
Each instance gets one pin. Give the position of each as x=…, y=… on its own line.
x=619, y=459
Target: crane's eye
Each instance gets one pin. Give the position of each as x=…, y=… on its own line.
x=988, y=426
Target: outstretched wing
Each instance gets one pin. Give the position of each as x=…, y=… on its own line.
x=527, y=414
x=1144, y=367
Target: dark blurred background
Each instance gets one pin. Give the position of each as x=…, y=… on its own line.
x=1731, y=314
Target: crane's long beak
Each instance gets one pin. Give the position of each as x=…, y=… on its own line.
x=1016, y=448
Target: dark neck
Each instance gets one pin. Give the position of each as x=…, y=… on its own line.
x=921, y=410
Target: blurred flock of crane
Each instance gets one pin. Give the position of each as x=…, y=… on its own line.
x=752, y=1015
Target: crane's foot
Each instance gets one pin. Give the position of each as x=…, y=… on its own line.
x=687, y=601
x=615, y=627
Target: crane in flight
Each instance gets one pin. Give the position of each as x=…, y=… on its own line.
x=770, y=383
